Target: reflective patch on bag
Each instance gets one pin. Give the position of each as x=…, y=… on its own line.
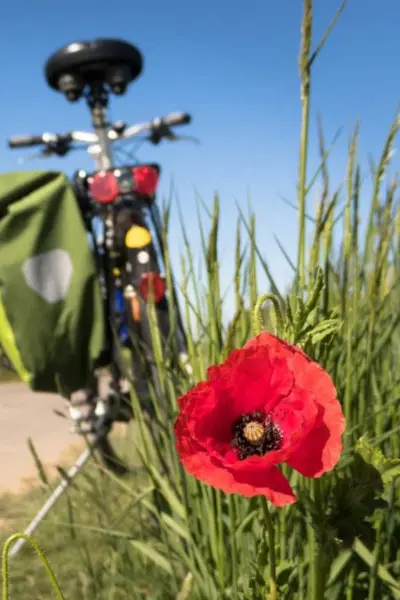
x=49, y=274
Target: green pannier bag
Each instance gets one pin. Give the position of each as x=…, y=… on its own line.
x=52, y=323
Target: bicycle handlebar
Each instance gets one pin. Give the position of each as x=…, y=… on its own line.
x=176, y=118
x=25, y=141
x=86, y=137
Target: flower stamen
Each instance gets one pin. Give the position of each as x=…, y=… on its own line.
x=255, y=434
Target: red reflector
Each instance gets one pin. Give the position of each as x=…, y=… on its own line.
x=152, y=283
x=103, y=187
x=146, y=180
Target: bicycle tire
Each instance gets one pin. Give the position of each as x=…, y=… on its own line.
x=110, y=458
x=102, y=427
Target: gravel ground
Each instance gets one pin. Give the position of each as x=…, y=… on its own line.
x=24, y=414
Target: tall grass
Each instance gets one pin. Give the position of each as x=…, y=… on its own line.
x=339, y=541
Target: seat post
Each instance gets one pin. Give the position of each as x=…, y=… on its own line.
x=97, y=100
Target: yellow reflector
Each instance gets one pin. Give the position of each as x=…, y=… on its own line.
x=116, y=272
x=137, y=237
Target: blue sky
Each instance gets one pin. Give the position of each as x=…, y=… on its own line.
x=233, y=65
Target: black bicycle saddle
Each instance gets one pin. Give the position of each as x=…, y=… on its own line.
x=107, y=61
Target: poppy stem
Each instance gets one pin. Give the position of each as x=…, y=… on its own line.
x=319, y=563
x=257, y=315
x=273, y=587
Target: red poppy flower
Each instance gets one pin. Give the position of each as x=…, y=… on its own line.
x=267, y=404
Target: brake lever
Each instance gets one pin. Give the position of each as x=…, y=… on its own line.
x=164, y=132
x=45, y=153
x=59, y=148
x=185, y=138
x=158, y=133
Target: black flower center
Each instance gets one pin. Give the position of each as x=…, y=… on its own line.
x=255, y=434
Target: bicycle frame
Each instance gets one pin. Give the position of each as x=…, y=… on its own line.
x=101, y=153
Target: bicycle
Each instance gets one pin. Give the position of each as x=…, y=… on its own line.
x=123, y=198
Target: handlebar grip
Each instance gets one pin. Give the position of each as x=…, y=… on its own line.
x=25, y=141
x=177, y=118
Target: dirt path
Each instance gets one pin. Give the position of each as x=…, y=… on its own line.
x=24, y=414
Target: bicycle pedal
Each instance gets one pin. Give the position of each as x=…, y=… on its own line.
x=81, y=406
x=83, y=427
x=102, y=407
x=78, y=415
x=77, y=403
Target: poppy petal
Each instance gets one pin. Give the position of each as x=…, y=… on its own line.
x=321, y=449
x=255, y=381
x=275, y=345
x=295, y=416
x=270, y=483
